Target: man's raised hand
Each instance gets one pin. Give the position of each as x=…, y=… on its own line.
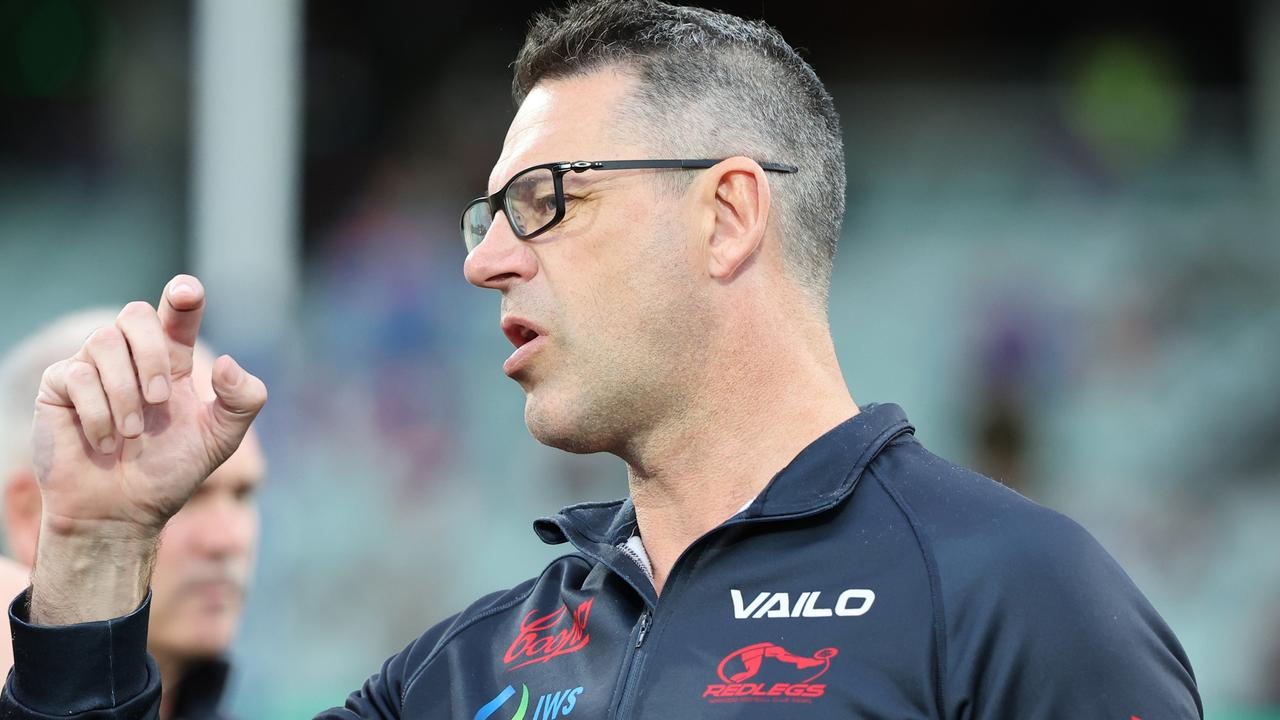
x=122, y=439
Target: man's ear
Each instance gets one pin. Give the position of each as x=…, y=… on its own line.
x=22, y=507
x=738, y=195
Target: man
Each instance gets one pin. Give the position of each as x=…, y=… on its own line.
x=201, y=568
x=783, y=552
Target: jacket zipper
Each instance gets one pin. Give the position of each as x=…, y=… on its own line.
x=645, y=619
x=629, y=673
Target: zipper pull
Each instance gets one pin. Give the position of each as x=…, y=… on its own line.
x=645, y=620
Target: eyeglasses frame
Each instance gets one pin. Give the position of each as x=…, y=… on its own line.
x=497, y=201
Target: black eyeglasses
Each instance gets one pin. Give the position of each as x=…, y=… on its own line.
x=533, y=200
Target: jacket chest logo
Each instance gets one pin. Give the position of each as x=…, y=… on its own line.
x=542, y=637
x=850, y=603
x=768, y=672
x=549, y=706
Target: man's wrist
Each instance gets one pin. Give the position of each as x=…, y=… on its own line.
x=79, y=578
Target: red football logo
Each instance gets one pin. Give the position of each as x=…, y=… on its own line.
x=751, y=657
x=740, y=668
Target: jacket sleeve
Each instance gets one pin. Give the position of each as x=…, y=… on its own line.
x=101, y=671
x=1054, y=629
x=90, y=671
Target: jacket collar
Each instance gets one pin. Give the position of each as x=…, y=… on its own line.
x=822, y=475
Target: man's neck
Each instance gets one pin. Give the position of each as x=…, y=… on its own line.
x=691, y=476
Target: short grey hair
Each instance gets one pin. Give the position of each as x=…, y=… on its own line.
x=711, y=85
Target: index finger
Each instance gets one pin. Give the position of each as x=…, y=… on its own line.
x=181, y=308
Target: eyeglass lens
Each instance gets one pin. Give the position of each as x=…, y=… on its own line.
x=530, y=204
x=475, y=223
x=531, y=201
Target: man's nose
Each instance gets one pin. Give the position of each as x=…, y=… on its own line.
x=501, y=259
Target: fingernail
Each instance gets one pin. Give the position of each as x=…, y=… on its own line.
x=108, y=445
x=181, y=289
x=234, y=373
x=132, y=425
x=158, y=389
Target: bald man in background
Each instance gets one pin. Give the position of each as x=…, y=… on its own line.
x=205, y=557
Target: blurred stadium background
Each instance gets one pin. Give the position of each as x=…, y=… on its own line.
x=1060, y=257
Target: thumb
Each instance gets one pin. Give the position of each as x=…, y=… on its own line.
x=238, y=398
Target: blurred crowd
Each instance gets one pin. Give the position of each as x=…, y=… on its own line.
x=1060, y=258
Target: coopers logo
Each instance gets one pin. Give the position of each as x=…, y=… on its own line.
x=542, y=637
x=850, y=603
x=769, y=673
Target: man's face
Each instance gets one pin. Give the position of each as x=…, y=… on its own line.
x=612, y=290
x=205, y=558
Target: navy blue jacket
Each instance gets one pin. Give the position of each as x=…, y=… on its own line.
x=870, y=579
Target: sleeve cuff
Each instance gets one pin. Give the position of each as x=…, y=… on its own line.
x=75, y=668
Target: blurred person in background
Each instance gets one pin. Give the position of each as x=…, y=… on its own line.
x=775, y=529
x=203, y=565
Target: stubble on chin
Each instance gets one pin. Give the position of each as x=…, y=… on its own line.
x=558, y=423
x=581, y=417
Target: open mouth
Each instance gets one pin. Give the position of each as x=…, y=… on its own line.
x=528, y=339
x=519, y=332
